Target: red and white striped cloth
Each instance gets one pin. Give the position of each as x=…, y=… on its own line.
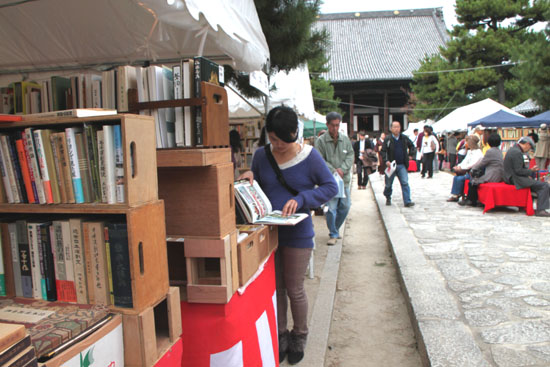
x=240, y=333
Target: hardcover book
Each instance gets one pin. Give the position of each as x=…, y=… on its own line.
x=85, y=173
x=60, y=86
x=257, y=209
x=34, y=165
x=79, y=261
x=14, y=349
x=90, y=132
x=204, y=71
x=50, y=324
x=47, y=261
x=74, y=112
x=10, y=334
x=99, y=276
x=65, y=165
x=119, y=165
x=120, y=264
x=25, y=262
x=74, y=163
x=14, y=249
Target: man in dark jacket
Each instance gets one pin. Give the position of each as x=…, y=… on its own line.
x=515, y=173
x=360, y=147
x=398, y=147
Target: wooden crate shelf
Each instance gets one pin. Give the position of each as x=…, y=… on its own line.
x=192, y=157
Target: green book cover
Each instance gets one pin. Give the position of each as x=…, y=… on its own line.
x=60, y=88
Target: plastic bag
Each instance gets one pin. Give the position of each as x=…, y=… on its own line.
x=340, y=182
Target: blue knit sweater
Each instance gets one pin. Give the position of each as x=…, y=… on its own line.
x=310, y=177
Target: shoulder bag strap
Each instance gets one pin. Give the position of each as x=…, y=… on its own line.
x=277, y=170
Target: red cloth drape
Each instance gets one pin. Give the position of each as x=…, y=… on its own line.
x=501, y=194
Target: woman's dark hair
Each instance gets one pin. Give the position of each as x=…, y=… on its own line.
x=283, y=122
x=262, y=141
x=235, y=141
x=494, y=140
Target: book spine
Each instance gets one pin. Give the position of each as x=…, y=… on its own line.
x=79, y=261
x=58, y=169
x=5, y=175
x=25, y=258
x=2, y=274
x=12, y=230
x=178, y=94
x=109, y=265
x=83, y=166
x=40, y=154
x=101, y=164
x=87, y=246
x=25, y=172
x=17, y=169
x=30, y=168
x=42, y=261
x=69, y=287
x=120, y=258
x=35, y=261
x=15, y=349
x=99, y=263
x=66, y=167
x=75, y=168
x=10, y=170
x=34, y=165
x=59, y=256
x=93, y=164
x=109, y=160
x=23, y=360
x=198, y=110
x=119, y=165
x=50, y=163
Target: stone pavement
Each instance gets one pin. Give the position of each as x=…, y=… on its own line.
x=478, y=285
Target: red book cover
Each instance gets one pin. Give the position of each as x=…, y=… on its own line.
x=10, y=118
x=25, y=170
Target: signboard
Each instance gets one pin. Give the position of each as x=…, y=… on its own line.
x=258, y=80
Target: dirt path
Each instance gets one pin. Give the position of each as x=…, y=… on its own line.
x=370, y=325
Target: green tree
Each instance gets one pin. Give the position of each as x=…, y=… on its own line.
x=292, y=41
x=481, y=53
x=321, y=89
x=534, y=66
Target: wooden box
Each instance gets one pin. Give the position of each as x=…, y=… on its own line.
x=200, y=201
x=215, y=115
x=212, y=269
x=252, y=250
x=148, y=334
x=148, y=258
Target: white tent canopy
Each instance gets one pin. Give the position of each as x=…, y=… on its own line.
x=293, y=89
x=55, y=34
x=417, y=125
x=458, y=119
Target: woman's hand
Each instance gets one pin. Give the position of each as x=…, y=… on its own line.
x=290, y=207
x=248, y=175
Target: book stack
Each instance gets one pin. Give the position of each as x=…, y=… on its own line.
x=83, y=164
x=75, y=260
x=15, y=346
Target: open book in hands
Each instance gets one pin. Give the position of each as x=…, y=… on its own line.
x=257, y=209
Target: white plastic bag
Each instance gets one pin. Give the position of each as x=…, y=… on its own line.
x=391, y=169
x=340, y=182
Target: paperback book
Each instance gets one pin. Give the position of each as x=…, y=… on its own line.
x=257, y=208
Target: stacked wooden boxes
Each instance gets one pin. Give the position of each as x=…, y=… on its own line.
x=196, y=185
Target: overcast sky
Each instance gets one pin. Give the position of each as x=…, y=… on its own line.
x=346, y=6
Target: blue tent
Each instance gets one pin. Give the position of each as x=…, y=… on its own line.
x=501, y=118
x=541, y=118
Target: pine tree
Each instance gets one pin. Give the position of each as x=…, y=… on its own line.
x=481, y=52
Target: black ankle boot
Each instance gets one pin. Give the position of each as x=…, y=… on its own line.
x=296, y=347
x=284, y=341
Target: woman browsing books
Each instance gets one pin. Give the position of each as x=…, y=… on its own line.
x=295, y=179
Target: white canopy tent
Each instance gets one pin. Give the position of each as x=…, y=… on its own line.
x=458, y=119
x=78, y=34
x=293, y=89
x=417, y=125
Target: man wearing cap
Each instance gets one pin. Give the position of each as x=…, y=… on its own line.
x=516, y=173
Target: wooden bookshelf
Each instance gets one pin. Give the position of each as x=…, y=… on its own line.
x=142, y=211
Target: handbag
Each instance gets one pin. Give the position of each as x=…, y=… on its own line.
x=476, y=172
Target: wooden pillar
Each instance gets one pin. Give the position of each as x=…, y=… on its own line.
x=386, y=123
x=351, y=114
